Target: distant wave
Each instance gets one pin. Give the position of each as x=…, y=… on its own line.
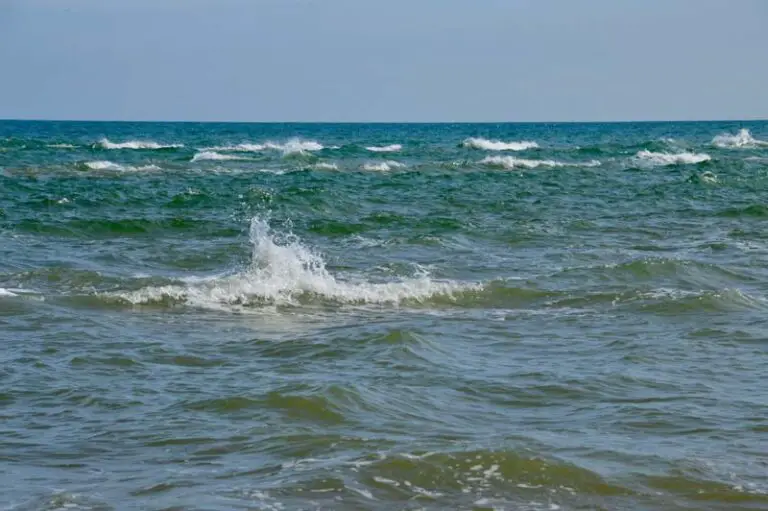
x=61, y=146
x=684, y=158
x=383, y=166
x=292, y=146
x=497, y=145
x=108, y=165
x=136, y=144
x=325, y=166
x=285, y=271
x=510, y=162
x=743, y=139
x=214, y=156
x=385, y=149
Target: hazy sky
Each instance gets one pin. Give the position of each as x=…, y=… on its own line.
x=376, y=60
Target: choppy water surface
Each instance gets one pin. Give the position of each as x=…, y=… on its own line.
x=224, y=316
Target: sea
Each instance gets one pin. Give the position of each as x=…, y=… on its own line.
x=203, y=316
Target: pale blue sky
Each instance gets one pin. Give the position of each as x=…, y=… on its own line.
x=395, y=60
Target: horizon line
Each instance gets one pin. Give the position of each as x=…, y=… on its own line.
x=149, y=121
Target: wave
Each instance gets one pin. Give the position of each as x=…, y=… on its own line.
x=292, y=146
x=325, y=166
x=7, y=292
x=385, y=149
x=384, y=166
x=109, y=165
x=61, y=146
x=136, y=144
x=684, y=158
x=284, y=271
x=497, y=145
x=510, y=162
x=214, y=156
x=743, y=139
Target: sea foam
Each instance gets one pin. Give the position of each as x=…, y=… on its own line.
x=660, y=159
x=109, y=165
x=385, y=149
x=384, y=166
x=497, y=145
x=214, y=156
x=291, y=146
x=136, y=144
x=284, y=271
x=743, y=139
x=510, y=162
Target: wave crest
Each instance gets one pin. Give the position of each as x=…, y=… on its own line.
x=742, y=139
x=283, y=271
x=109, y=165
x=385, y=149
x=661, y=159
x=104, y=143
x=498, y=145
x=291, y=146
x=384, y=166
x=214, y=156
x=510, y=163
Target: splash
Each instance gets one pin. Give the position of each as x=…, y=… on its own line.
x=742, y=140
x=104, y=143
x=214, y=156
x=497, y=145
x=661, y=159
x=384, y=166
x=283, y=271
x=511, y=163
x=392, y=148
x=109, y=165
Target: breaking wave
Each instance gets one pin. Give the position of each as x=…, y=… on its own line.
x=135, y=144
x=325, y=166
x=214, y=156
x=283, y=271
x=742, y=139
x=385, y=149
x=6, y=292
x=684, y=158
x=383, y=166
x=109, y=165
x=510, y=162
x=497, y=145
x=292, y=146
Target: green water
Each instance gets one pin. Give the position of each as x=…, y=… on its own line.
x=308, y=316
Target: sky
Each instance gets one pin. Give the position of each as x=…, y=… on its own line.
x=375, y=60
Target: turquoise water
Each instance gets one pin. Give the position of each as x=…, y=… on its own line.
x=308, y=316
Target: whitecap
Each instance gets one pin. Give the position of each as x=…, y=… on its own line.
x=61, y=146
x=392, y=148
x=384, y=166
x=214, y=156
x=291, y=146
x=742, y=140
x=325, y=166
x=109, y=165
x=284, y=271
x=684, y=158
x=510, y=162
x=136, y=144
x=497, y=145
x=7, y=292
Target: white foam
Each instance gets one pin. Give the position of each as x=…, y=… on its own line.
x=684, y=158
x=743, y=139
x=498, y=145
x=283, y=271
x=291, y=146
x=325, y=166
x=510, y=163
x=392, y=148
x=109, y=165
x=214, y=156
x=136, y=144
x=6, y=292
x=61, y=146
x=384, y=166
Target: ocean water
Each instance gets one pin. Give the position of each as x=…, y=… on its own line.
x=377, y=316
